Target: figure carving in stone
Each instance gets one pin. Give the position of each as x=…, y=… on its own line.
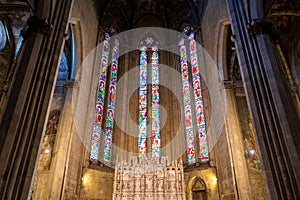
x=179, y=185
x=173, y=185
x=250, y=144
x=138, y=185
x=52, y=123
x=169, y=185
x=130, y=183
x=125, y=185
x=118, y=186
x=160, y=184
x=45, y=157
x=149, y=183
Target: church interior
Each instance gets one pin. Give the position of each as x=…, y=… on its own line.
x=150, y=99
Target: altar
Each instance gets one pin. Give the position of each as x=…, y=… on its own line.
x=149, y=178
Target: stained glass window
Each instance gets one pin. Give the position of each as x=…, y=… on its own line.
x=187, y=103
x=197, y=93
x=201, y=129
x=155, y=110
x=19, y=45
x=63, y=69
x=111, y=103
x=3, y=36
x=105, y=98
x=66, y=65
x=155, y=99
x=100, y=100
x=142, y=140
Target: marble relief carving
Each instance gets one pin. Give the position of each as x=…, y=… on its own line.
x=148, y=178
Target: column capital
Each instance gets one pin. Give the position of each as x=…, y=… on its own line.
x=71, y=84
x=260, y=26
x=37, y=25
x=228, y=85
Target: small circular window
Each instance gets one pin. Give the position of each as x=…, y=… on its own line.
x=2, y=35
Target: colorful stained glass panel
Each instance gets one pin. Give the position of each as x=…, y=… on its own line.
x=187, y=104
x=100, y=100
x=142, y=147
x=111, y=103
x=155, y=108
x=203, y=147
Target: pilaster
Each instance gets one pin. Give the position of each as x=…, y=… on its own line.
x=236, y=144
x=30, y=92
x=276, y=124
x=63, y=145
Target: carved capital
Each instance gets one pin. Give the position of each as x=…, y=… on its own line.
x=71, y=84
x=37, y=25
x=228, y=85
x=239, y=91
x=260, y=26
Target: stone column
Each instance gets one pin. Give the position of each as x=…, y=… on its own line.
x=273, y=112
x=63, y=144
x=236, y=145
x=24, y=116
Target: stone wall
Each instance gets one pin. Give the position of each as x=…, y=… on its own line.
x=224, y=168
x=251, y=151
x=96, y=185
x=209, y=178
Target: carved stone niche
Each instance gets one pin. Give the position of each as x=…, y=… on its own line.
x=199, y=185
x=49, y=141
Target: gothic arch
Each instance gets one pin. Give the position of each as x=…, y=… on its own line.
x=149, y=20
x=78, y=47
x=221, y=47
x=182, y=17
x=116, y=17
x=196, y=183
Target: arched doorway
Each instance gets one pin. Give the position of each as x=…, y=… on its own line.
x=199, y=190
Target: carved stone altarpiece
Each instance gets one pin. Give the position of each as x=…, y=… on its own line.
x=149, y=178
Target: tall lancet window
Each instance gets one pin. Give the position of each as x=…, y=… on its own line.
x=142, y=147
x=187, y=103
x=201, y=129
x=155, y=108
x=198, y=100
x=102, y=96
x=111, y=103
x=143, y=98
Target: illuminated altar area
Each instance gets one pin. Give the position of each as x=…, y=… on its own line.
x=149, y=178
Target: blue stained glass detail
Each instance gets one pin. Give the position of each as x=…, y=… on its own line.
x=3, y=36
x=19, y=45
x=142, y=147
